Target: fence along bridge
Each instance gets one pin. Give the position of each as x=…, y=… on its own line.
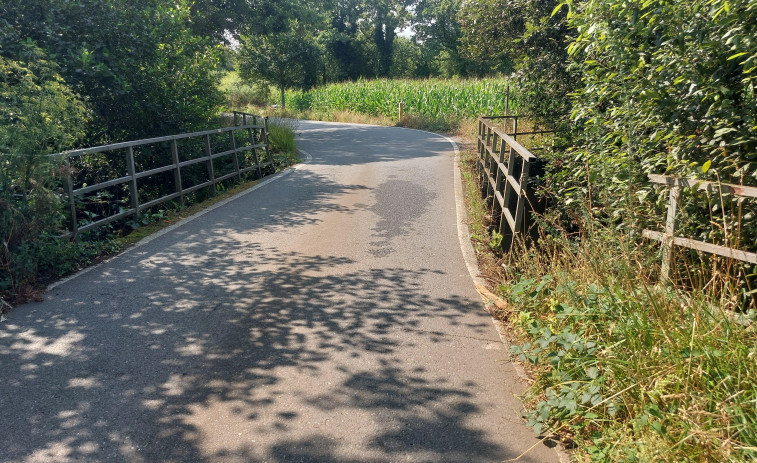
x=505, y=167
x=175, y=165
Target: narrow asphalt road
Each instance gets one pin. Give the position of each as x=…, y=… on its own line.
x=326, y=316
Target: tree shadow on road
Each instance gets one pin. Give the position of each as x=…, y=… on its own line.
x=205, y=345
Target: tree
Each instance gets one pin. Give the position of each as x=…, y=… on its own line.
x=406, y=56
x=137, y=64
x=283, y=59
x=385, y=16
x=438, y=32
x=523, y=36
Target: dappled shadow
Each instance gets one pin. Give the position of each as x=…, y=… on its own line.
x=204, y=337
x=219, y=342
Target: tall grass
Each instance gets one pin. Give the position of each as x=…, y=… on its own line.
x=444, y=99
x=627, y=370
x=624, y=369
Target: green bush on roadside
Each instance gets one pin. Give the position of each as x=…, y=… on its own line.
x=630, y=371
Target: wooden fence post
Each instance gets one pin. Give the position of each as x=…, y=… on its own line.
x=236, y=156
x=177, y=169
x=267, y=145
x=133, y=190
x=507, y=102
x=670, y=228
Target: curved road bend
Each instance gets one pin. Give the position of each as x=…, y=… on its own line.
x=325, y=317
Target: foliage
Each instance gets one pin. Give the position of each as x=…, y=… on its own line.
x=670, y=86
x=437, y=27
x=432, y=98
x=627, y=371
x=137, y=65
x=667, y=87
x=281, y=59
x=240, y=95
x=523, y=37
x=39, y=115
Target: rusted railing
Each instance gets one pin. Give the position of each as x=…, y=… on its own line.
x=170, y=159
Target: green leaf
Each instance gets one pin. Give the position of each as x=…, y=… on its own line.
x=732, y=57
x=706, y=166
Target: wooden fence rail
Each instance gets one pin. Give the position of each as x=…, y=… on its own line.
x=668, y=238
x=254, y=134
x=504, y=167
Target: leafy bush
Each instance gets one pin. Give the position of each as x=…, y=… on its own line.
x=669, y=86
x=39, y=115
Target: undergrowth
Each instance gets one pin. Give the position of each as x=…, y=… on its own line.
x=627, y=370
x=624, y=369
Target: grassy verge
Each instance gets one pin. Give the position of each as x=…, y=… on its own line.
x=624, y=370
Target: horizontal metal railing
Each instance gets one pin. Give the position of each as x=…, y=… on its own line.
x=256, y=141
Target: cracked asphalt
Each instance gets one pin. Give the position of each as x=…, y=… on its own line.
x=325, y=316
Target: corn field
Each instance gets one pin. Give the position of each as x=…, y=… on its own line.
x=430, y=98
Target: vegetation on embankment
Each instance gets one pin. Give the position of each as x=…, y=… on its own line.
x=624, y=369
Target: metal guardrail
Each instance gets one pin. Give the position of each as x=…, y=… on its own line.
x=668, y=238
x=256, y=138
x=504, y=167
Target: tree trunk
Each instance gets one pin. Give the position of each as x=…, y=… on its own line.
x=283, y=101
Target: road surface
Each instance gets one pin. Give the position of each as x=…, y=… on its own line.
x=326, y=316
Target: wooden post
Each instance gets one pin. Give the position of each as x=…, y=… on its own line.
x=177, y=170
x=670, y=228
x=401, y=107
x=236, y=156
x=520, y=208
x=251, y=135
x=490, y=162
x=133, y=190
x=507, y=102
x=211, y=169
x=499, y=184
x=265, y=140
x=71, y=199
